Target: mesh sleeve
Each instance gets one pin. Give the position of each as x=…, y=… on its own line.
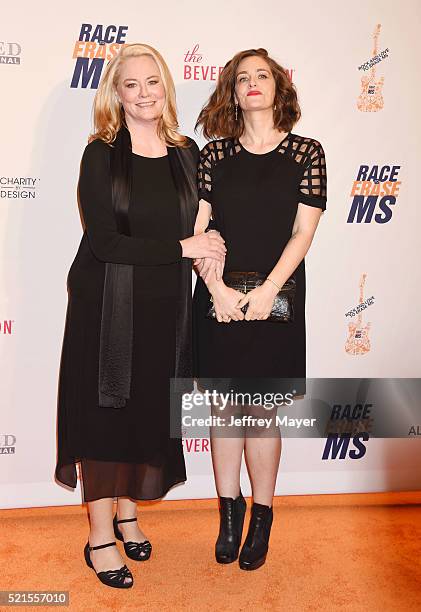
x=313, y=184
x=204, y=174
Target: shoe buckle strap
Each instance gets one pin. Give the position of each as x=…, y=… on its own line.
x=102, y=546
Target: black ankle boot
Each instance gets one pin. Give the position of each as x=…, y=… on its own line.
x=231, y=513
x=255, y=548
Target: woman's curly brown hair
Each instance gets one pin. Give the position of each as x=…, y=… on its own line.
x=217, y=117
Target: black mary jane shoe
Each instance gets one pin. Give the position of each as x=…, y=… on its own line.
x=256, y=545
x=231, y=514
x=112, y=578
x=138, y=551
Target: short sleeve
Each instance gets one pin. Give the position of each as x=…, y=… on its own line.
x=313, y=186
x=204, y=174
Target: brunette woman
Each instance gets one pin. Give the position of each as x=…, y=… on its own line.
x=265, y=188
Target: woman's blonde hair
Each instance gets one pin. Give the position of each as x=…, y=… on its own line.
x=108, y=114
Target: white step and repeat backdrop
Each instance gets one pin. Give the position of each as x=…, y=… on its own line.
x=365, y=113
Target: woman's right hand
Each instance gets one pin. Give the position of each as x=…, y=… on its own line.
x=207, y=244
x=225, y=302
x=208, y=268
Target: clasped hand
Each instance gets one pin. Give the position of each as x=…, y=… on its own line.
x=228, y=302
x=260, y=302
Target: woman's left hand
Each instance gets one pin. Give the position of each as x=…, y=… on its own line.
x=260, y=302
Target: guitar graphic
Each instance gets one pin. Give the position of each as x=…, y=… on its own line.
x=371, y=98
x=358, y=342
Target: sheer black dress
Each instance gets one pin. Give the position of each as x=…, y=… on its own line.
x=254, y=199
x=127, y=452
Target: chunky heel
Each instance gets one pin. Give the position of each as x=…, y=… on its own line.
x=256, y=545
x=138, y=551
x=231, y=513
x=111, y=578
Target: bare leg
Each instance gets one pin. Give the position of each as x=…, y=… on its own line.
x=226, y=455
x=262, y=454
x=101, y=522
x=226, y=461
x=127, y=508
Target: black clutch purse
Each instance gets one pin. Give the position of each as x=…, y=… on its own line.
x=283, y=306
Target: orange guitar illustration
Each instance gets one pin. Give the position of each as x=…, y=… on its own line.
x=371, y=98
x=358, y=342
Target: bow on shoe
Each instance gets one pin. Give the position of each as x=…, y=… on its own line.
x=118, y=575
x=138, y=549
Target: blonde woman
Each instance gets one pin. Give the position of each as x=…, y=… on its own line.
x=128, y=323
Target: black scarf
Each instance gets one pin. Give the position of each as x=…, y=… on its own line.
x=116, y=340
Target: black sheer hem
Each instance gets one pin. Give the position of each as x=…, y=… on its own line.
x=65, y=474
x=141, y=481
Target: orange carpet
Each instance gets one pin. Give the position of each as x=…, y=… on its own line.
x=328, y=552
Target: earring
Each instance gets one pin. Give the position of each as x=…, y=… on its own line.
x=274, y=107
x=236, y=112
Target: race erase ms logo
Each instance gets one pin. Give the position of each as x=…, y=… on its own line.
x=349, y=425
x=374, y=188
x=96, y=44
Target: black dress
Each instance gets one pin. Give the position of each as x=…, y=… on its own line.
x=127, y=452
x=254, y=200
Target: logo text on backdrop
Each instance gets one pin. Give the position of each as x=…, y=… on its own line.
x=95, y=45
x=10, y=53
x=374, y=187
